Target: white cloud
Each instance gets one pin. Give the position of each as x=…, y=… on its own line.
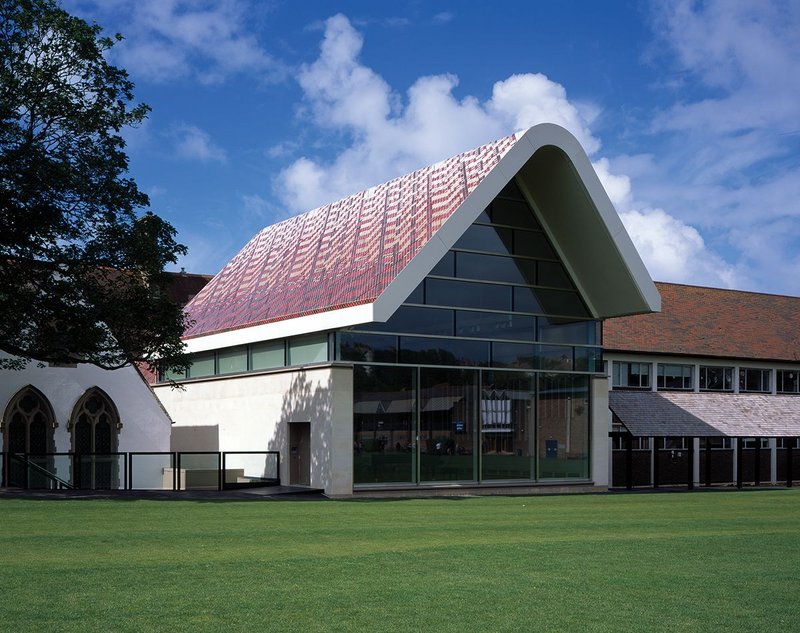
x=729, y=162
x=172, y=39
x=193, y=143
x=391, y=135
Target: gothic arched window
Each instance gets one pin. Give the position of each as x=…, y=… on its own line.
x=28, y=423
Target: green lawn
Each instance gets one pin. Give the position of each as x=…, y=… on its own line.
x=660, y=562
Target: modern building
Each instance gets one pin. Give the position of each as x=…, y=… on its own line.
x=442, y=329
x=707, y=391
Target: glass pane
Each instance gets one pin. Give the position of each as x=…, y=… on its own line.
x=590, y=359
x=417, y=295
x=152, y=471
x=446, y=266
x=414, y=320
x=562, y=302
x=367, y=348
x=199, y=471
x=533, y=244
x=513, y=213
x=555, y=357
x=716, y=378
x=463, y=294
x=514, y=355
x=511, y=190
x=563, y=426
x=552, y=330
x=232, y=360
x=553, y=274
x=788, y=381
x=507, y=412
x=494, y=325
x=384, y=410
x=308, y=349
x=202, y=365
x=486, y=238
x=267, y=355
x=527, y=300
x=437, y=351
x=447, y=424
x=495, y=268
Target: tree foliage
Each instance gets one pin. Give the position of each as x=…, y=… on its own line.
x=81, y=260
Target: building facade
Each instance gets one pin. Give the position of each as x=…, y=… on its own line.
x=440, y=330
x=707, y=391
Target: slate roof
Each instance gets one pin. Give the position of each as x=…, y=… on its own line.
x=699, y=321
x=342, y=254
x=683, y=414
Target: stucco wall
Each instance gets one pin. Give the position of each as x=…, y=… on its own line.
x=600, y=426
x=253, y=411
x=145, y=424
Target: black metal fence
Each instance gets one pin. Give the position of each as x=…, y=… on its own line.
x=140, y=470
x=657, y=461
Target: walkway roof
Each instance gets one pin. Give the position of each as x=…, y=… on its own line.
x=679, y=414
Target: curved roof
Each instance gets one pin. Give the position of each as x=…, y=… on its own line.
x=356, y=260
x=341, y=254
x=711, y=322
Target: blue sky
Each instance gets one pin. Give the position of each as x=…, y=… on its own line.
x=690, y=112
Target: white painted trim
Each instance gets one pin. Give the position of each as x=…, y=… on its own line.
x=321, y=322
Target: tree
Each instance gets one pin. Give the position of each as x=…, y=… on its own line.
x=81, y=259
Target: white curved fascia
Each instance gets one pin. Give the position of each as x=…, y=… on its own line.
x=537, y=137
x=321, y=322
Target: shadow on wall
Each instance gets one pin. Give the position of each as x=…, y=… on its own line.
x=306, y=400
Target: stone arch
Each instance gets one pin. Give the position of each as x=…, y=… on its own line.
x=94, y=424
x=29, y=423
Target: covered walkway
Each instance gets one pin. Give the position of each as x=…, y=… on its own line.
x=682, y=438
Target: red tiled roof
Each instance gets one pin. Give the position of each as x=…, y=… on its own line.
x=701, y=321
x=342, y=254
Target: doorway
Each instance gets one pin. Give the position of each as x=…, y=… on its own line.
x=300, y=453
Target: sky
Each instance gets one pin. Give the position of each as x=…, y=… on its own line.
x=261, y=109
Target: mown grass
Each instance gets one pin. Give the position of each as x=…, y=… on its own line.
x=662, y=562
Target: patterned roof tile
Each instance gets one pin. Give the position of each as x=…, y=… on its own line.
x=342, y=254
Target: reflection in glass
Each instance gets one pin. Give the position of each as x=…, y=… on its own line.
x=496, y=268
x=507, y=411
x=414, y=320
x=442, y=351
x=384, y=408
x=563, y=426
x=447, y=424
x=486, y=238
x=367, y=348
x=465, y=294
x=494, y=325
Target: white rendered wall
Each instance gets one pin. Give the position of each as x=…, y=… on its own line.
x=601, y=425
x=145, y=424
x=253, y=413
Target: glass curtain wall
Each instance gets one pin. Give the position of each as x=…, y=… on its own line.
x=384, y=419
x=482, y=375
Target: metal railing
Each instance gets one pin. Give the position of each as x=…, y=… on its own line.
x=140, y=470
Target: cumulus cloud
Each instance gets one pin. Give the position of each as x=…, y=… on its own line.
x=730, y=153
x=174, y=39
x=192, y=143
x=392, y=134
